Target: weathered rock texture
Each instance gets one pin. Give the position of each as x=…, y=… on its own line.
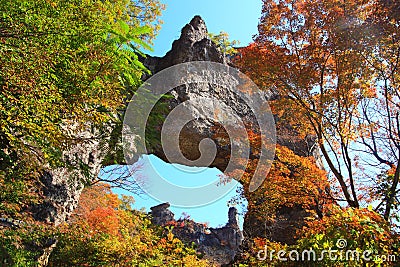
x=282, y=228
x=194, y=45
x=219, y=245
x=161, y=215
x=62, y=186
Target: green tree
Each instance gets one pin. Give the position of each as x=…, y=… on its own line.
x=64, y=65
x=226, y=46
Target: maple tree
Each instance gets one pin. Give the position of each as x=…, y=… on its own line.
x=334, y=64
x=380, y=115
x=292, y=182
x=297, y=182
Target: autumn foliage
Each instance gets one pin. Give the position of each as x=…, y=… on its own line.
x=340, y=231
x=332, y=67
x=359, y=230
x=105, y=231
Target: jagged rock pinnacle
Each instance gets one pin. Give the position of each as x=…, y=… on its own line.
x=193, y=45
x=194, y=31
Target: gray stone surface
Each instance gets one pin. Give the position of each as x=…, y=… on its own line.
x=62, y=187
x=193, y=45
x=161, y=215
x=219, y=245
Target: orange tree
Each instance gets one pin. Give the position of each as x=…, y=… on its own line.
x=293, y=182
x=105, y=231
x=334, y=64
x=343, y=237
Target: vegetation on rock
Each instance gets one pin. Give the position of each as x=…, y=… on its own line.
x=71, y=66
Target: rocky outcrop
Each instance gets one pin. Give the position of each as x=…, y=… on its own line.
x=161, y=215
x=195, y=45
x=62, y=187
x=218, y=245
x=281, y=229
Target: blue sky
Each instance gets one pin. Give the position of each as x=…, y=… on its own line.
x=239, y=19
x=152, y=168
x=236, y=17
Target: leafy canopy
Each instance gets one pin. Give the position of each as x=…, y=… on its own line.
x=65, y=67
x=334, y=64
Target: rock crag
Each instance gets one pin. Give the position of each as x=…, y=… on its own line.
x=195, y=45
x=62, y=194
x=218, y=245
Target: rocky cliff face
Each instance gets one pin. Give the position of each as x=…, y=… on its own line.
x=62, y=187
x=193, y=45
x=219, y=245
